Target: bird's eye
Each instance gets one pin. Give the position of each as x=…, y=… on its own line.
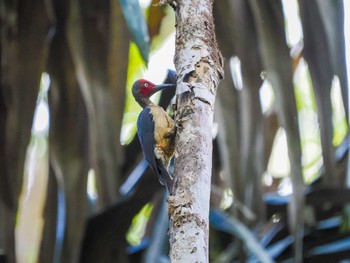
x=145, y=84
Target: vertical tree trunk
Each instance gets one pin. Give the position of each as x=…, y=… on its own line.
x=198, y=65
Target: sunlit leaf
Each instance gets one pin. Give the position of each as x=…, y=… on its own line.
x=138, y=226
x=132, y=109
x=340, y=125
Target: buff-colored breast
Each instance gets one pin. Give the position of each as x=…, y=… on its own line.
x=164, y=132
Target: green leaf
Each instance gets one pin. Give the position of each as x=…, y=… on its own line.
x=132, y=109
x=138, y=226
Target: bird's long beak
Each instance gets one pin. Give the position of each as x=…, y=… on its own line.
x=164, y=86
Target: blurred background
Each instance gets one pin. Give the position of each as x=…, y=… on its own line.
x=74, y=186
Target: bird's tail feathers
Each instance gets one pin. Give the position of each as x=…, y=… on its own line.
x=166, y=178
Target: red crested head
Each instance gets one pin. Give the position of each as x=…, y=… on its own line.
x=143, y=89
x=146, y=87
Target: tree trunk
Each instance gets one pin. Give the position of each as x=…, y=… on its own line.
x=198, y=65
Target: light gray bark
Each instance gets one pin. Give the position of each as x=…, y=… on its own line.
x=198, y=65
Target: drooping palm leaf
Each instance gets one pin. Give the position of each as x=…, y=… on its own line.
x=277, y=62
x=96, y=63
x=317, y=53
x=68, y=145
x=24, y=27
x=137, y=25
x=233, y=226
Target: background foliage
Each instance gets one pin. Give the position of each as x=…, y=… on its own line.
x=73, y=183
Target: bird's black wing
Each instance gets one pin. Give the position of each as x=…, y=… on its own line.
x=145, y=131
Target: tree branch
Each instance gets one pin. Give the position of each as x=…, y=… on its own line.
x=199, y=69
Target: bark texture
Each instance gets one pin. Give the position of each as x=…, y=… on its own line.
x=198, y=64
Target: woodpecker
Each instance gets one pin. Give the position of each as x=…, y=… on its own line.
x=155, y=129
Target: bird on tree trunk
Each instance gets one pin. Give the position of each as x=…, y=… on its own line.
x=155, y=129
